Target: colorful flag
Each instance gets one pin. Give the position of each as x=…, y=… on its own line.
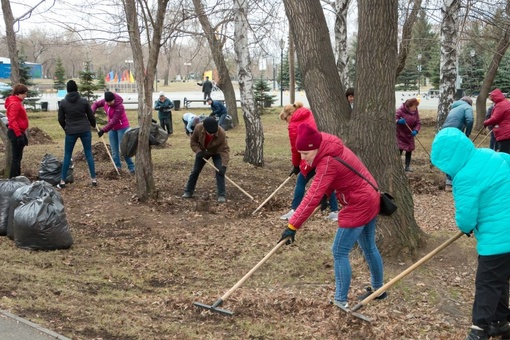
x=131, y=78
x=115, y=78
x=107, y=78
x=111, y=75
x=119, y=78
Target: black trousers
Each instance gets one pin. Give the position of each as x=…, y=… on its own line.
x=504, y=145
x=491, y=290
x=197, y=168
x=17, y=153
x=408, y=157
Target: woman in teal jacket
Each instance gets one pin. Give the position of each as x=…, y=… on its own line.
x=481, y=191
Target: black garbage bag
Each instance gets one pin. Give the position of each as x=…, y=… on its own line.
x=129, y=142
x=51, y=170
x=229, y=123
x=26, y=194
x=7, y=188
x=41, y=224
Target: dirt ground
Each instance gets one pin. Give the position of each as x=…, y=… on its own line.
x=135, y=269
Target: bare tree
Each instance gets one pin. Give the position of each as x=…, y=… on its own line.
x=216, y=45
x=254, y=150
x=448, y=63
x=407, y=30
x=317, y=64
x=503, y=44
x=152, y=22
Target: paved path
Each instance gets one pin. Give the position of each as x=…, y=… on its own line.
x=16, y=328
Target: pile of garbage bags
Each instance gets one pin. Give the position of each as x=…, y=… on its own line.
x=129, y=142
x=33, y=215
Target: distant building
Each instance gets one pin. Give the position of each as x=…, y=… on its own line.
x=5, y=69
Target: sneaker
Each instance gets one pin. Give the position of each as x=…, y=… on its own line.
x=477, y=333
x=132, y=173
x=408, y=169
x=187, y=195
x=221, y=199
x=369, y=292
x=94, y=183
x=343, y=305
x=287, y=215
x=61, y=185
x=499, y=328
x=333, y=216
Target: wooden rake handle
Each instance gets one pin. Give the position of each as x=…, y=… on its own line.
x=237, y=186
x=271, y=196
x=406, y=272
x=108, y=151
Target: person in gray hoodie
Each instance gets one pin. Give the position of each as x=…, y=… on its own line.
x=460, y=117
x=75, y=116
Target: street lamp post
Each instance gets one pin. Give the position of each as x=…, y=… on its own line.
x=419, y=73
x=281, y=71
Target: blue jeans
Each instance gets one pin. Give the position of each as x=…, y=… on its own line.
x=299, y=191
x=344, y=241
x=69, y=143
x=197, y=168
x=115, y=137
x=221, y=121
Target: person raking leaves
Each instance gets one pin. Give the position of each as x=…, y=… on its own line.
x=357, y=218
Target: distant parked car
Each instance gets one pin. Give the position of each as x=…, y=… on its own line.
x=4, y=87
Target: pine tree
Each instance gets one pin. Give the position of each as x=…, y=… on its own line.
x=25, y=73
x=101, y=84
x=260, y=89
x=59, y=81
x=87, y=86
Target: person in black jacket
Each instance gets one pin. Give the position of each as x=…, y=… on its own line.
x=76, y=117
x=207, y=87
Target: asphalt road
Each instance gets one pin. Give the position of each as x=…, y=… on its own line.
x=13, y=327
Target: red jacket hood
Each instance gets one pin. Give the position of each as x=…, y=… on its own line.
x=497, y=96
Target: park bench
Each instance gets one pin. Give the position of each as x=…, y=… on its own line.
x=187, y=102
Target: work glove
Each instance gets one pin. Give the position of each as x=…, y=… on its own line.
x=469, y=234
x=401, y=121
x=414, y=133
x=100, y=133
x=286, y=233
x=485, y=124
x=324, y=203
x=294, y=171
x=222, y=171
x=154, y=121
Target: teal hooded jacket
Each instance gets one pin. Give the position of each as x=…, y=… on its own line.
x=481, y=189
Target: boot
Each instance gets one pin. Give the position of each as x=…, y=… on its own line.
x=408, y=168
x=477, y=333
x=499, y=328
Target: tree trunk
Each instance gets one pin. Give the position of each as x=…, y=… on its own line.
x=292, y=71
x=144, y=167
x=342, y=57
x=407, y=32
x=224, y=83
x=254, y=150
x=448, y=63
x=13, y=56
x=319, y=75
x=373, y=124
x=481, y=100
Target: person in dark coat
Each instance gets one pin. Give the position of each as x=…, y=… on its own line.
x=500, y=120
x=493, y=143
x=209, y=141
x=75, y=116
x=164, y=107
x=207, y=87
x=219, y=110
x=360, y=202
x=408, y=123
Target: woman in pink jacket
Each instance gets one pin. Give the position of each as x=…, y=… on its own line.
x=360, y=201
x=500, y=120
x=117, y=125
x=408, y=123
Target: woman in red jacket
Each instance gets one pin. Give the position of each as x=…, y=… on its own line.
x=295, y=115
x=360, y=202
x=17, y=125
x=500, y=120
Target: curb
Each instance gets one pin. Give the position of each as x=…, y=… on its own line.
x=34, y=326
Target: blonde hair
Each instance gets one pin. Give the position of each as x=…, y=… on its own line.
x=289, y=109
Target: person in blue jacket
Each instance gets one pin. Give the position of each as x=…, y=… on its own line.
x=164, y=107
x=219, y=110
x=481, y=192
x=460, y=117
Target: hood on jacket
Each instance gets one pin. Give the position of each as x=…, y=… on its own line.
x=10, y=100
x=460, y=103
x=497, y=96
x=451, y=150
x=118, y=100
x=404, y=108
x=72, y=97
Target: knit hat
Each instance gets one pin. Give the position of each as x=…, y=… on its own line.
x=71, y=86
x=109, y=96
x=162, y=94
x=210, y=125
x=308, y=138
x=467, y=100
